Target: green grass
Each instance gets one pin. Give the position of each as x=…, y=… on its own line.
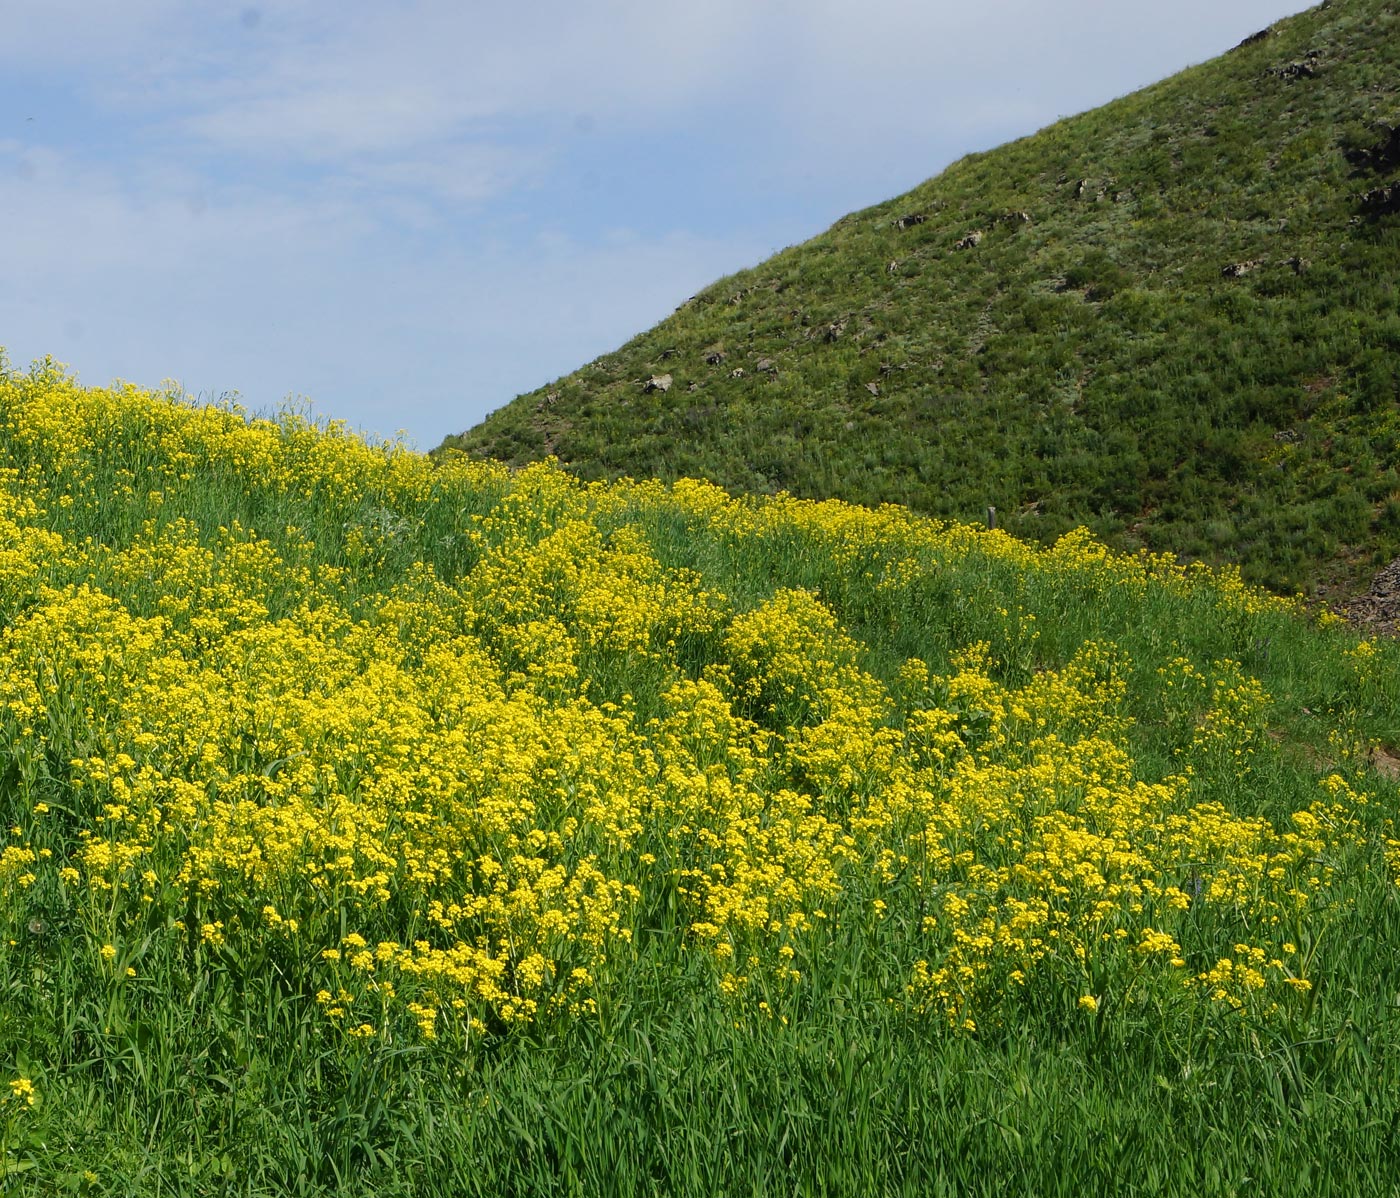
x=215, y=1073
x=680, y=1102
x=1090, y=367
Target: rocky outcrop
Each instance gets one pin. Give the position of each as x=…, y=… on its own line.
x=1378, y=610
x=1381, y=201
x=1305, y=68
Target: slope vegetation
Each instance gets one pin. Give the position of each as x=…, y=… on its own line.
x=1174, y=319
x=379, y=827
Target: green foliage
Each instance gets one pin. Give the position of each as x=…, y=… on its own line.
x=1093, y=366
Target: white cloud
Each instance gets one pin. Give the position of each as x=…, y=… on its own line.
x=376, y=79
x=68, y=218
x=269, y=294
x=65, y=32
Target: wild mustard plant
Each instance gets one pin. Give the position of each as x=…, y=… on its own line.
x=440, y=793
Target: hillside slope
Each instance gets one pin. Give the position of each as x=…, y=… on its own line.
x=1173, y=318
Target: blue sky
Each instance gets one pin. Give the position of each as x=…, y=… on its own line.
x=410, y=211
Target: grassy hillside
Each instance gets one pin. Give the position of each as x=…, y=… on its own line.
x=1172, y=319
x=384, y=828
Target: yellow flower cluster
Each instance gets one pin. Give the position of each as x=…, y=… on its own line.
x=446, y=790
x=22, y=1092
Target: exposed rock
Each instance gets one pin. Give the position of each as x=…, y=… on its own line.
x=1382, y=156
x=1237, y=270
x=893, y=267
x=667, y=354
x=1299, y=265
x=714, y=357
x=657, y=382
x=971, y=241
x=1386, y=584
x=1304, y=68
x=693, y=388
x=1379, y=608
x=766, y=364
x=1255, y=38
x=737, y=372
x=1381, y=201
x=1090, y=192
x=833, y=331
x=873, y=388
x=912, y=219
x=1014, y=218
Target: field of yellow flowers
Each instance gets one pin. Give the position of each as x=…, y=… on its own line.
x=381, y=825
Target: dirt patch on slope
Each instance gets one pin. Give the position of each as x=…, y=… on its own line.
x=1386, y=763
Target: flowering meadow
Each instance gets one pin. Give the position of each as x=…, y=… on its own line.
x=380, y=824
